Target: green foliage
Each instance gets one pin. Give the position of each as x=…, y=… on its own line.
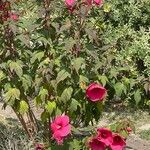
x=23, y=107
x=127, y=59
x=11, y=95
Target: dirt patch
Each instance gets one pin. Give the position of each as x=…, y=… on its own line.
x=7, y=113
x=145, y=127
x=136, y=143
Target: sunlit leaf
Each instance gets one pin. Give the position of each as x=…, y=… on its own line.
x=16, y=67
x=50, y=107
x=119, y=88
x=66, y=95
x=11, y=95
x=23, y=107
x=62, y=75
x=137, y=97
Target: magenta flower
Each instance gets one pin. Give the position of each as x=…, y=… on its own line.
x=105, y=136
x=129, y=130
x=89, y=2
x=95, y=144
x=1, y=7
x=13, y=16
x=96, y=92
x=118, y=142
x=98, y=2
x=69, y=3
x=39, y=147
x=60, y=128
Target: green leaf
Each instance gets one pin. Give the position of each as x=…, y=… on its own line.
x=148, y=103
x=83, y=79
x=2, y=75
x=26, y=82
x=38, y=81
x=50, y=107
x=11, y=95
x=113, y=73
x=37, y=101
x=25, y=40
x=100, y=106
x=123, y=133
x=58, y=112
x=44, y=116
x=66, y=26
x=7, y=86
x=113, y=127
x=77, y=63
x=137, y=96
x=69, y=43
x=66, y=95
x=23, y=107
x=16, y=67
x=62, y=75
x=92, y=34
x=74, y=105
x=43, y=93
x=75, y=145
x=37, y=56
x=75, y=130
x=103, y=79
x=60, y=147
x=118, y=88
x=93, y=54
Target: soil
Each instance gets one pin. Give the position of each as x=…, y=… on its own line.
x=134, y=142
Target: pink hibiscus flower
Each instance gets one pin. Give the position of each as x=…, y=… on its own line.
x=118, y=142
x=1, y=7
x=98, y=2
x=13, y=16
x=39, y=147
x=96, y=92
x=69, y=3
x=89, y=2
x=60, y=128
x=129, y=130
x=105, y=136
x=95, y=144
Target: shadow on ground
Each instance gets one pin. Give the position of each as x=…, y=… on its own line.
x=12, y=137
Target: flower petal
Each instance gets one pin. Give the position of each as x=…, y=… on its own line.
x=58, y=138
x=118, y=142
x=55, y=127
x=64, y=131
x=95, y=92
x=95, y=144
x=69, y=3
x=98, y=2
x=105, y=135
x=62, y=120
x=65, y=120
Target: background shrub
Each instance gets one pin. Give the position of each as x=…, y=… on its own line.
x=48, y=56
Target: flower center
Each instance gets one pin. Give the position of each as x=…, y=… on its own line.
x=104, y=135
x=59, y=126
x=117, y=139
